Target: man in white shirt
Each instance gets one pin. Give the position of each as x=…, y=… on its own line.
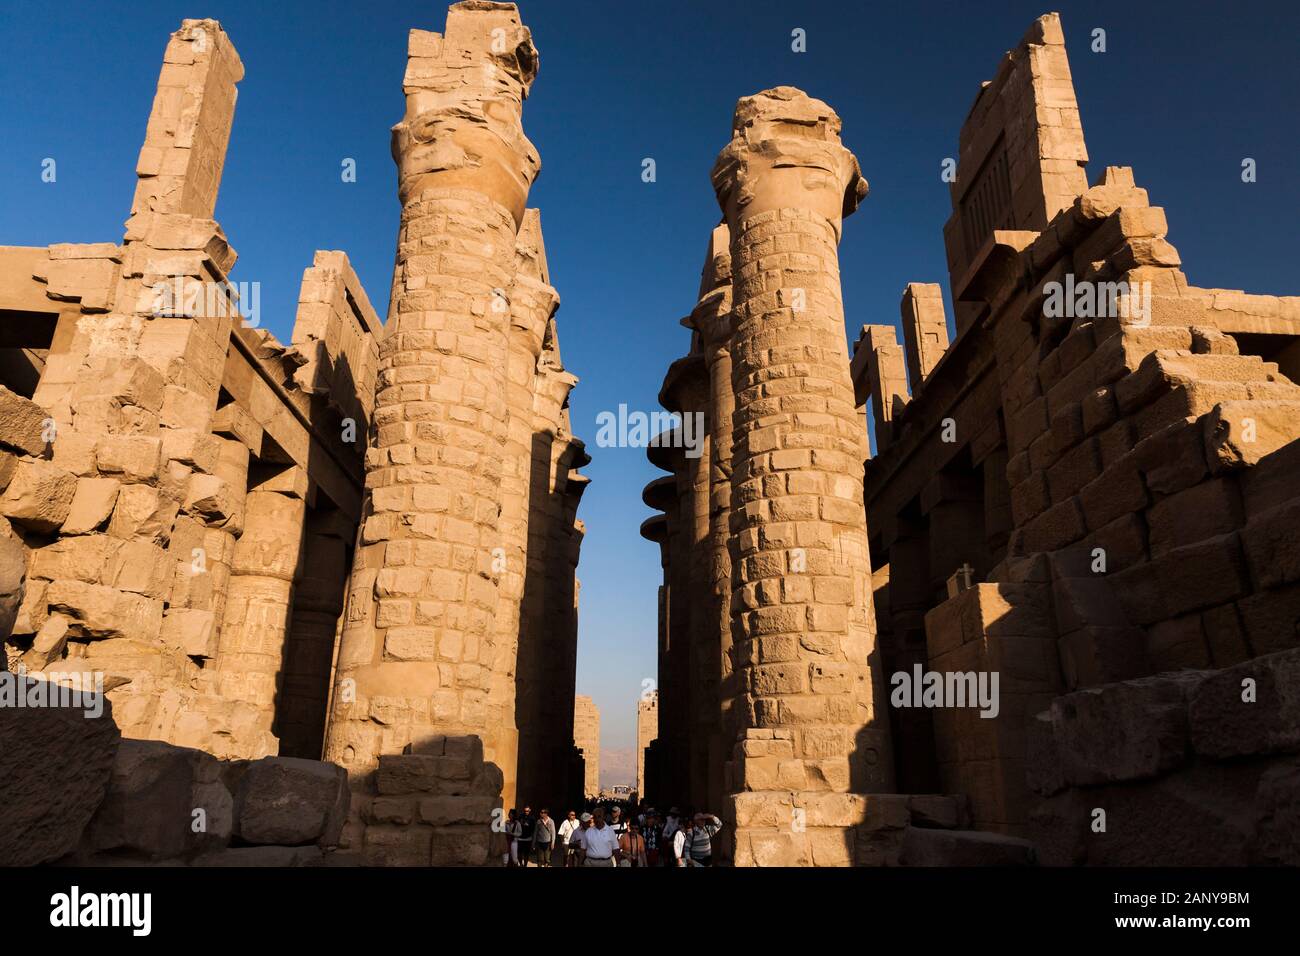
x=600, y=841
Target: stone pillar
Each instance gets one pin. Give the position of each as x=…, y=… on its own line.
x=317, y=603
x=925, y=330
x=674, y=694
x=417, y=660
x=686, y=392
x=562, y=669
x=879, y=372
x=547, y=597
x=532, y=303
x=810, y=735
x=258, y=605
x=713, y=319
x=586, y=735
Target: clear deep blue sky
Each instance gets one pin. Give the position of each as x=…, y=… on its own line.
x=1183, y=93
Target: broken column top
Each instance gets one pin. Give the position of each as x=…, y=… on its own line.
x=184, y=150
x=785, y=151
x=464, y=100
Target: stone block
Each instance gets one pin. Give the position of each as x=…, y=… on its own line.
x=98, y=611
x=191, y=631
x=22, y=424
x=1251, y=708
x=150, y=809
x=1123, y=731
x=92, y=504
x=55, y=767
x=39, y=496
x=291, y=801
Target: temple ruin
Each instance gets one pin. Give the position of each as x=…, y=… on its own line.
x=954, y=599
x=358, y=546
x=1088, y=493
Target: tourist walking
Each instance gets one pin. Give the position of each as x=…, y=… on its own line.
x=599, y=841
x=700, y=846
x=513, y=829
x=652, y=834
x=632, y=846
x=568, y=827
x=544, y=838
x=527, y=824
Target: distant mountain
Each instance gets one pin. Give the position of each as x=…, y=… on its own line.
x=617, y=768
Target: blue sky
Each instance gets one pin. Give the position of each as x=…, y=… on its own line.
x=1184, y=92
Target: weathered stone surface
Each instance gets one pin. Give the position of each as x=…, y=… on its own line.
x=1252, y=708
x=1124, y=731
x=928, y=847
x=278, y=856
x=55, y=766
x=39, y=495
x=23, y=424
x=156, y=799
x=289, y=801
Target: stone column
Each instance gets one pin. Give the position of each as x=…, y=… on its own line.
x=712, y=318
x=416, y=660
x=317, y=603
x=674, y=694
x=532, y=303
x=258, y=604
x=562, y=671
x=686, y=392
x=545, y=612
x=810, y=735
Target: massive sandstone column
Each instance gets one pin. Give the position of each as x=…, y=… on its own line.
x=532, y=303
x=712, y=318
x=417, y=658
x=686, y=392
x=809, y=734
x=260, y=600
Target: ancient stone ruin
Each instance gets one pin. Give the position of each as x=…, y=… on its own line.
x=324, y=592
x=360, y=545
x=1091, y=499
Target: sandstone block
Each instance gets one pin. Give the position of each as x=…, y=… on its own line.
x=92, y=504
x=190, y=631
x=22, y=424
x=39, y=496
x=55, y=765
x=1123, y=731
x=138, y=457
x=291, y=801
x=105, y=612
x=150, y=808
x=1252, y=708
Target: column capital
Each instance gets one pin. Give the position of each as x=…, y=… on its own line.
x=785, y=152
x=464, y=100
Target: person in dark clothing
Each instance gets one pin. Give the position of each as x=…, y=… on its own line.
x=527, y=824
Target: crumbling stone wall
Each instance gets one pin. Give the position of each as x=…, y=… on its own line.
x=1113, y=478
x=183, y=448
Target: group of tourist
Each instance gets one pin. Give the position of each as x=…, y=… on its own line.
x=610, y=837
